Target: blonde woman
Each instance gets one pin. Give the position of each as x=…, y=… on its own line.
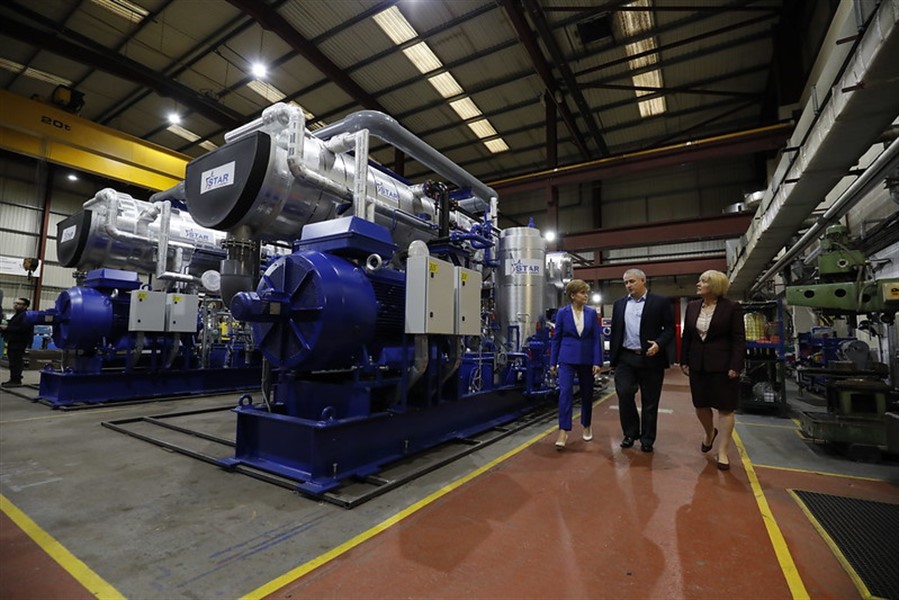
x=712, y=351
x=575, y=350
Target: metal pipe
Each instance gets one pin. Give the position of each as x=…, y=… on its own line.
x=873, y=175
x=176, y=192
x=389, y=130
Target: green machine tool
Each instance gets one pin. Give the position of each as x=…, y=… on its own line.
x=861, y=416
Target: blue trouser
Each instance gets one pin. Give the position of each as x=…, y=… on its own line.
x=566, y=394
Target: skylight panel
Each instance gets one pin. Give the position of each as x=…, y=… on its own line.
x=395, y=25
x=446, y=85
x=187, y=134
x=650, y=79
x=400, y=31
x=465, y=108
x=125, y=9
x=15, y=67
x=482, y=128
x=635, y=23
x=422, y=57
x=267, y=91
x=207, y=145
x=649, y=108
x=496, y=146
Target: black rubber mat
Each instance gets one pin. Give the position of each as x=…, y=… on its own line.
x=866, y=533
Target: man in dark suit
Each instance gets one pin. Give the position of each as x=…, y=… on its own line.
x=642, y=330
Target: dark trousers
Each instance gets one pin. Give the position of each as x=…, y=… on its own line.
x=16, y=355
x=631, y=373
x=566, y=394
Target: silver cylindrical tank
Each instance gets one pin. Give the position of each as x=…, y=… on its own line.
x=117, y=231
x=520, y=284
x=251, y=182
x=559, y=271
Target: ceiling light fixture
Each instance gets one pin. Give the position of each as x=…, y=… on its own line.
x=174, y=118
x=259, y=70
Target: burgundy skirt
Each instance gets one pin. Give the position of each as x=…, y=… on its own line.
x=714, y=390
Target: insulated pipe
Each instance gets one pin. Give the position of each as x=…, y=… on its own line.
x=873, y=175
x=176, y=192
x=389, y=130
x=162, y=255
x=296, y=130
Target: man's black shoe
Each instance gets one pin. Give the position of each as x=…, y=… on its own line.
x=11, y=384
x=646, y=447
x=627, y=442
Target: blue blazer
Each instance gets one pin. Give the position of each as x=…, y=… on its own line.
x=570, y=348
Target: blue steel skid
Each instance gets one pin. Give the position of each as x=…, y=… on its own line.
x=105, y=362
x=343, y=401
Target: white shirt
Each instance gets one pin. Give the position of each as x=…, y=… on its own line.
x=578, y=320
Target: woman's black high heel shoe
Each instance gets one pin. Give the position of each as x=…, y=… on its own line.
x=705, y=448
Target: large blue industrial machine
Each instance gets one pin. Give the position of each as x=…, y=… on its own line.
x=403, y=318
x=123, y=339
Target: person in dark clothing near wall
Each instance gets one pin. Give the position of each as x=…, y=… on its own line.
x=18, y=335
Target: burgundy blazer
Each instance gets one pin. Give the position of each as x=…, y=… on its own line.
x=724, y=347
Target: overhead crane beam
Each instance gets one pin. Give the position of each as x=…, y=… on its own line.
x=45, y=132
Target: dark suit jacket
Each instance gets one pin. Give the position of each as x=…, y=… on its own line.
x=724, y=347
x=657, y=324
x=18, y=333
x=570, y=348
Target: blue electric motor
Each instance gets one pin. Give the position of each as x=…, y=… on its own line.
x=316, y=309
x=86, y=315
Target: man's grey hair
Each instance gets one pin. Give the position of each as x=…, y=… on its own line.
x=635, y=272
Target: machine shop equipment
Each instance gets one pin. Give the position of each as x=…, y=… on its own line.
x=123, y=339
x=403, y=318
x=861, y=399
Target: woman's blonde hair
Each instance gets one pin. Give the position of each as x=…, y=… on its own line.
x=718, y=282
x=576, y=285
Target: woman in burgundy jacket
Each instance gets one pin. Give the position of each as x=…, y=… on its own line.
x=712, y=351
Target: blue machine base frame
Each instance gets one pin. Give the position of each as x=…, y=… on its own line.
x=59, y=388
x=321, y=454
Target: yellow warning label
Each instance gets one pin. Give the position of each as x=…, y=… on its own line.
x=432, y=267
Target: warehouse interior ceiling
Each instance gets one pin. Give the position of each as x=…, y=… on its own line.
x=475, y=79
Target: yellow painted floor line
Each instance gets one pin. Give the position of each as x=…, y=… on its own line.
x=784, y=558
x=325, y=558
x=92, y=582
x=744, y=424
x=847, y=566
x=794, y=470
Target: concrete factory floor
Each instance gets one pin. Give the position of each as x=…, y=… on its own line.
x=87, y=511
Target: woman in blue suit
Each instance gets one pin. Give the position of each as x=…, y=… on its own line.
x=575, y=350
